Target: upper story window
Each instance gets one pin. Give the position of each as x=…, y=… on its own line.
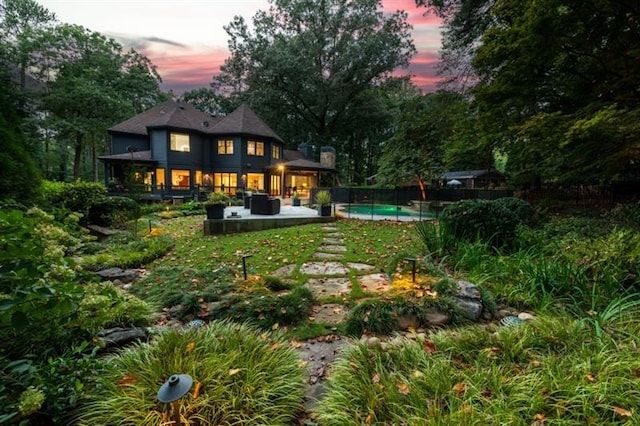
x=180, y=142
x=255, y=148
x=225, y=146
x=275, y=152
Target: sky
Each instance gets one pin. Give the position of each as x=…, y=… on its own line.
x=186, y=41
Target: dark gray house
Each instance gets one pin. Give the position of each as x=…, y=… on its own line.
x=176, y=149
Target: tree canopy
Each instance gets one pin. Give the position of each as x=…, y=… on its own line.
x=307, y=63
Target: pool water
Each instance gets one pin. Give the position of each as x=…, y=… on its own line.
x=380, y=210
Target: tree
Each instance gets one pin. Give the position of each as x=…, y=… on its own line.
x=97, y=85
x=307, y=62
x=573, y=65
x=209, y=100
x=416, y=149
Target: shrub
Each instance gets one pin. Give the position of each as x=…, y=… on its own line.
x=114, y=211
x=487, y=221
x=522, y=209
x=626, y=214
x=436, y=238
x=241, y=376
x=132, y=254
x=78, y=196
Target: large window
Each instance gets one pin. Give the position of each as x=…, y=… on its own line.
x=275, y=152
x=180, y=179
x=255, y=148
x=225, y=146
x=255, y=182
x=180, y=142
x=226, y=182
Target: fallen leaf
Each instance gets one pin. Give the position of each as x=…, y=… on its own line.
x=622, y=411
x=127, y=379
x=196, y=390
x=275, y=346
x=234, y=371
x=459, y=388
x=403, y=388
x=539, y=416
x=591, y=378
x=296, y=344
x=376, y=378
x=190, y=346
x=429, y=346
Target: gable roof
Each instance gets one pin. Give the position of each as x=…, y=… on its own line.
x=179, y=115
x=182, y=115
x=244, y=121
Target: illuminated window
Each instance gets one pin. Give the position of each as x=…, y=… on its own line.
x=199, y=177
x=255, y=181
x=225, y=146
x=180, y=142
x=180, y=179
x=275, y=152
x=255, y=148
x=226, y=182
x=160, y=179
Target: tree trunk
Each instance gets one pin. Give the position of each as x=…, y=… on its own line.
x=94, y=163
x=77, y=157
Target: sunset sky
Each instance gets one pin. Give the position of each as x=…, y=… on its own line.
x=185, y=39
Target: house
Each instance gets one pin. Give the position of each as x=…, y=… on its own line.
x=473, y=179
x=174, y=149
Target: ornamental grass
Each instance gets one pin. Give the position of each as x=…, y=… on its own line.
x=241, y=376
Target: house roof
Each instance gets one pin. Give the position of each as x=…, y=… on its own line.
x=179, y=115
x=182, y=115
x=290, y=155
x=244, y=121
x=469, y=174
x=136, y=156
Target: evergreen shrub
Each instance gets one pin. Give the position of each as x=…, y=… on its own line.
x=112, y=211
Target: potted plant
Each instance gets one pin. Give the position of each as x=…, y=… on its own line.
x=295, y=198
x=215, y=205
x=323, y=199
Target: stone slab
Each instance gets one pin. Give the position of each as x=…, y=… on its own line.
x=360, y=267
x=323, y=268
x=284, y=271
x=325, y=287
x=330, y=313
x=332, y=248
x=378, y=283
x=334, y=241
x=321, y=255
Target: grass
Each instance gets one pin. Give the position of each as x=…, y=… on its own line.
x=241, y=376
x=551, y=370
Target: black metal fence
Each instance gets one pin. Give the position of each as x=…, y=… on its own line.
x=402, y=201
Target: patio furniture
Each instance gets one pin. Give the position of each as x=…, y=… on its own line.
x=263, y=204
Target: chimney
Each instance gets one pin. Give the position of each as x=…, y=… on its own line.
x=328, y=156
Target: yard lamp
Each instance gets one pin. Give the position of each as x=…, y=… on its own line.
x=244, y=264
x=172, y=390
x=413, y=267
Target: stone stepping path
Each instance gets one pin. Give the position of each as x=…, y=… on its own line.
x=325, y=287
x=323, y=268
x=322, y=255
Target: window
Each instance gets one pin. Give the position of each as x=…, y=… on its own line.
x=225, y=146
x=199, y=177
x=226, y=182
x=180, y=179
x=255, y=181
x=160, y=179
x=275, y=152
x=255, y=148
x=180, y=142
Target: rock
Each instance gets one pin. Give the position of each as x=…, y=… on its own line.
x=123, y=275
x=119, y=337
x=437, y=318
x=406, y=322
x=471, y=307
x=468, y=290
x=525, y=316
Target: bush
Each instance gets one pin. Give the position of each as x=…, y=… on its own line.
x=132, y=254
x=522, y=209
x=240, y=374
x=78, y=196
x=113, y=211
x=487, y=221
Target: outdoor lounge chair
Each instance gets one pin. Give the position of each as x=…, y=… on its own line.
x=263, y=204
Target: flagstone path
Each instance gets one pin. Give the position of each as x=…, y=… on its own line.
x=329, y=276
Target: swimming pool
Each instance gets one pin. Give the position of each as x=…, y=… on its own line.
x=381, y=212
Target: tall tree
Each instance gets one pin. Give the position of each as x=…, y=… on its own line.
x=307, y=62
x=96, y=86
x=560, y=83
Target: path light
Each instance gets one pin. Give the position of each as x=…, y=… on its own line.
x=244, y=264
x=413, y=268
x=172, y=390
